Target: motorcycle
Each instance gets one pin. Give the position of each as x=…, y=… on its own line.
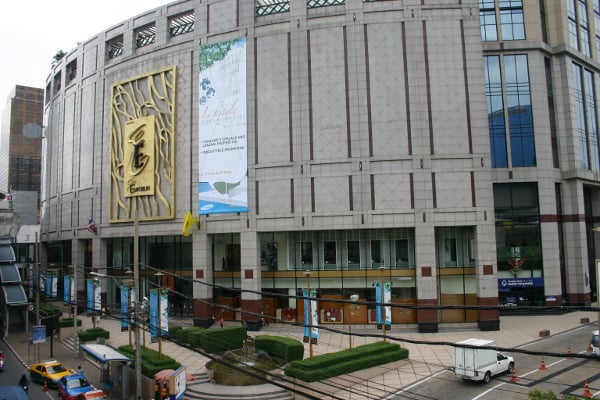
x=1, y=364
x=25, y=388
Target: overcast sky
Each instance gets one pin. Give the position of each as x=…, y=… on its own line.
x=31, y=32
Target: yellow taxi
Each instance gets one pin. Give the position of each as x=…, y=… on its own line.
x=48, y=372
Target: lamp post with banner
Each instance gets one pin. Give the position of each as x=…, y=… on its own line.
x=310, y=341
x=354, y=310
x=159, y=276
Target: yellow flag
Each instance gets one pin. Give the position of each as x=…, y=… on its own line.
x=188, y=221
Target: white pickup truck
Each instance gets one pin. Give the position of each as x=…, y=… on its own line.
x=478, y=360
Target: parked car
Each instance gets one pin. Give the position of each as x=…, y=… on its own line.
x=71, y=387
x=48, y=372
x=95, y=394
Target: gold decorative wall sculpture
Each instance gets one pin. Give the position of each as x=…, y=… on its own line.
x=142, y=147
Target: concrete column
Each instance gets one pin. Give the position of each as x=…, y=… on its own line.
x=250, y=277
x=203, y=279
x=550, y=243
x=427, y=319
x=575, y=243
x=487, y=276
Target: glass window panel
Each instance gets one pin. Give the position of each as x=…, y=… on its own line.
x=495, y=107
x=353, y=247
x=7, y=254
x=307, y=254
x=330, y=256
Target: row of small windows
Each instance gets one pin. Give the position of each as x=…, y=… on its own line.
x=178, y=25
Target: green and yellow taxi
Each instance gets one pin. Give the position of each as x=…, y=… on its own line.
x=48, y=371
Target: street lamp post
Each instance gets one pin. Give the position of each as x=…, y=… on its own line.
x=384, y=325
x=353, y=307
x=310, y=347
x=159, y=276
x=136, y=279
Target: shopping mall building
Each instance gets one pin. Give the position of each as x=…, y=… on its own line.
x=448, y=148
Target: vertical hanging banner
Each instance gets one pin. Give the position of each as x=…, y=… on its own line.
x=314, y=317
x=67, y=290
x=164, y=312
x=73, y=289
x=48, y=285
x=89, y=289
x=378, y=302
x=94, y=296
x=54, y=290
x=387, y=298
x=223, y=159
x=125, y=306
x=306, y=316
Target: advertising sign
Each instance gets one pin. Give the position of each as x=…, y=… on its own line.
x=223, y=163
x=39, y=334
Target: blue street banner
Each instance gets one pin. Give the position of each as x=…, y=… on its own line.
x=54, y=292
x=48, y=285
x=159, y=314
x=89, y=283
x=125, y=304
x=306, y=316
x=94, y=296
x=67, y=289
x=38, y=334
x=378, y=308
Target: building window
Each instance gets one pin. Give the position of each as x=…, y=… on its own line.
x=267, y=7
x=510, y=15
x=587, y=129
x=495, y=108
x=579, y=35
x=57, y=83
x=511, y=19
x=181, y=23
x=114, y=47
x=353, y=247
x=551, y=112
x=597, y=25
x=71, y=71
x=520, y=117
x=456, y=247
x=513, y=69
x=487, y=20
x=145, y=35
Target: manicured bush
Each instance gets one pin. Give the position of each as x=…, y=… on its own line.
x=344, y=362
x=281, y=347
x=222, y=339
x=186, y=332
x=68, y=322
x=93, y=334
x=151, y=361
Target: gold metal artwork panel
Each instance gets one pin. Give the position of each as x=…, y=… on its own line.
x=142, y=147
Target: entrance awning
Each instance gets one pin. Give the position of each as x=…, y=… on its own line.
x=103, y=353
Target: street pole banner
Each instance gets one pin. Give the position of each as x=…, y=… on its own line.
x=315, y=317
x=159, y=314
x=387, y=298
x=125, y=305
x=378, y=301
x=54, y=293
x=306, y=316
x=67, y=289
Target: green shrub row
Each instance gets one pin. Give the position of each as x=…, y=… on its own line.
x=281, y=347
x=218, y=340
x=68, y=322
x=93, y=334
x=182, y=334
x=344, y=362
x=152, y=362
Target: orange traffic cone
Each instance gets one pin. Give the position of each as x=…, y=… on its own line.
x=514, y=375
x=543, y=365
x=45, y=386
x=569, y=356
x=586, y=391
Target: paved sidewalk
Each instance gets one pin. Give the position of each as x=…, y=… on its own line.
x=424, y=359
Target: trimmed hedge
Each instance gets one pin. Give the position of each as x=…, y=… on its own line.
x=218, y=340
x=93, y=334
x=281, y=347
x=184, y=333
x=344, y=362
x=68, y=322
x=151, y=362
